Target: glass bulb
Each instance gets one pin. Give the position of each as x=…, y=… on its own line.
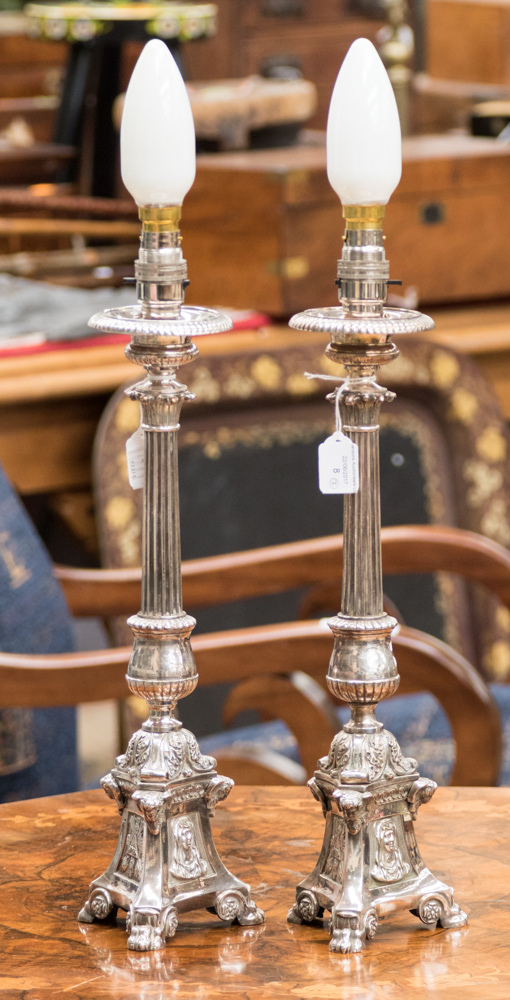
x=363, y=138
x=157, y=135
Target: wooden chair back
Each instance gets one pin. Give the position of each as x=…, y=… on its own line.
x=269, y=664
x=273, y=662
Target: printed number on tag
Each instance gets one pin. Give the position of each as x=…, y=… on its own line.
x=338, y=465
x=135, y=454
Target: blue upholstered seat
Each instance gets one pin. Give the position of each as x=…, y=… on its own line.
x=38, y=753
x=418, y=721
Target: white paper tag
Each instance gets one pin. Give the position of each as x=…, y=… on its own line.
x=338, y=465
x=135, y=454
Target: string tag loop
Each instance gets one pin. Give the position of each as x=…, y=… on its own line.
x=338, y=455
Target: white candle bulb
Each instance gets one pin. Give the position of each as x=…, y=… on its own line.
x=157, y=135
x=363, y=138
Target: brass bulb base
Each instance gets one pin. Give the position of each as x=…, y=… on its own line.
x=363, y=216
x=160, y=218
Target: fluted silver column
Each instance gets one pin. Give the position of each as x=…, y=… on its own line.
x=362, y=592
x=162, y=667
x=161, y=546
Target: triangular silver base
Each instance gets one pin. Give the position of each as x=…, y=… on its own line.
x=165, y=862
x=370, y=864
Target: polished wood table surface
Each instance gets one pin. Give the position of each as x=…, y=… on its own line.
x=51, y=848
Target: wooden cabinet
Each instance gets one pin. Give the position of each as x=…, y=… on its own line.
x=263, y=229
x=469, y=40
x=255, y=36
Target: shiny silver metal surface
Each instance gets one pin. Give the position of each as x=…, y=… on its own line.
x=369, y=792
x=192, y=321
x=336, y=321
x=166, y=790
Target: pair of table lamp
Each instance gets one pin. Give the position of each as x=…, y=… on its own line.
x=165, y=862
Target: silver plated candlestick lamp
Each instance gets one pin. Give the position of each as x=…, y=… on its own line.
x=166, y=790
x=370, y=793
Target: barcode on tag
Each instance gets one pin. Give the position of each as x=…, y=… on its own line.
x=135, y=454
x=338, y=465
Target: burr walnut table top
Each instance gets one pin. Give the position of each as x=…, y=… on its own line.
x=51, y=848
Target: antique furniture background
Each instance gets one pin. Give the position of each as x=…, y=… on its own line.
x=29, y=67
x=274, y=214
x=282, y=37
x=30, y=78
x=482, y=58
x=280, y=215
x=455, y=78
x=63, y=238
x=55, y=398
x=40, y=163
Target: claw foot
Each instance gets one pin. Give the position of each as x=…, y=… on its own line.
x=349, y=933
x=149, y=931
x=145, y=937
x=346, y=941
